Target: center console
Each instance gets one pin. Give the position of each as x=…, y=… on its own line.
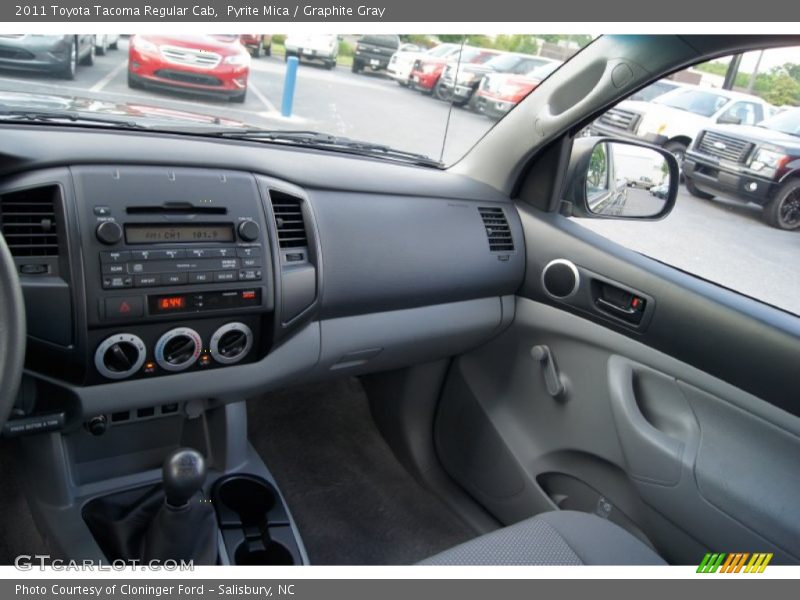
x=177, y=266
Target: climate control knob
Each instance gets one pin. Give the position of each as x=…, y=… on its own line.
x=109, y=232
x=231, y=343
x=178, y=349
x=120, y=356
x=249, y=231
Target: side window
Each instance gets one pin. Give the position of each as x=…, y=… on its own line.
x=736, y=221
x=741, y=113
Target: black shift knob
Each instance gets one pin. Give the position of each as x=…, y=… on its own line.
x=184, y=474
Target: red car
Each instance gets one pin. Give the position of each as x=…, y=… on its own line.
x=498, y=93
x=427, y=70
x=209, y=64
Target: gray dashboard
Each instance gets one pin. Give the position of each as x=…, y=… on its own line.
x=403, y=268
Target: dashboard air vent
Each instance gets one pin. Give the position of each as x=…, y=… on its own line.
x=28, y=221
x=497, y=229
x=288, y=211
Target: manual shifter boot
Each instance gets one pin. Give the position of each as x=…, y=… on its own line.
x=185, y=527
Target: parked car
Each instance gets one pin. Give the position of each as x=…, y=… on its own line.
x=460, y=86
x=427, y=70
x=374, y=52
x=498, y=93
x=674, y=119
x=211, y=64
x=323, y=48
x=660, y=191
x=257, y=44
x=655, y=89
x=103, y=42
x=752, y=164
x=402, y=62
x=57, y=54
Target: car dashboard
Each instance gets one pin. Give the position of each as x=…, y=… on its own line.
x=161, y=269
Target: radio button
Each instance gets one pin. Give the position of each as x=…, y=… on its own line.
x=126, y=307
x=117, y=282
x=113, y=269
x=201, y=277
x=115, y=257
x=249, y=275
x=251, y=262
x=198, y=253
x=248, y=251
x=225, y=276
x=221, y=253
x=146, y=280
x=167, y=254
x=141, y=254
x=174, y=278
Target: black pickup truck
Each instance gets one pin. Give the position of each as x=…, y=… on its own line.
x=758, y=164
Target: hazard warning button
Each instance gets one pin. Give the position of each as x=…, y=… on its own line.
x=124, y=307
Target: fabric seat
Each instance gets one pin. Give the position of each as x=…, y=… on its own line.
x=553, y=538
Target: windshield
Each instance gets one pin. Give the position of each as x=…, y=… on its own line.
x=504, y=62
x=441, y=50
x=319, y=88
x=541, y=72
x=787, y=122
x=698, y=102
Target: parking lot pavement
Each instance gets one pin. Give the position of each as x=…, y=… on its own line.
x=721, y=241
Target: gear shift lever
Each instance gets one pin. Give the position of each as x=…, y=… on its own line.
x=183, y=474
x=185, y=526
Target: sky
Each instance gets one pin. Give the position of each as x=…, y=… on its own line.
x=773, y=57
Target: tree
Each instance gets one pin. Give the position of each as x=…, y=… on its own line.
x=784, y=90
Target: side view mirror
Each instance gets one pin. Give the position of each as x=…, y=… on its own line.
x=608, y=178
x=727, y=119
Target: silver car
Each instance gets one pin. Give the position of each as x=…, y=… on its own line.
x=57, y=54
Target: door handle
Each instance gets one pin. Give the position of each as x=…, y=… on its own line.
x=611, y=307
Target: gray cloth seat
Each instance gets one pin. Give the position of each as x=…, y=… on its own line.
x=555, y=538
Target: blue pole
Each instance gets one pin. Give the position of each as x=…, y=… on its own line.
x=289, y=84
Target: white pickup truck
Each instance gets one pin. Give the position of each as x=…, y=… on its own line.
x=323, y=48
x=674, y=119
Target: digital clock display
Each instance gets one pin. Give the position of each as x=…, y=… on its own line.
x=168, y=303
x=179, y=233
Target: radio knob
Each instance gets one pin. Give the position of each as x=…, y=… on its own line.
x=249, y=231
x=109, y=232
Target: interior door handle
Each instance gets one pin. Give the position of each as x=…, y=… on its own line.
x=611, y=307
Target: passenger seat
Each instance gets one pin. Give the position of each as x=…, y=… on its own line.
x=560, y=537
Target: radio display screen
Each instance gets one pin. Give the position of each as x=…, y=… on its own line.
x=180, y=233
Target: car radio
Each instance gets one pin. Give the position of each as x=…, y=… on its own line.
x=167, y=242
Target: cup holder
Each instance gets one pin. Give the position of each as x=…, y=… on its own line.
x=271, y=554
x=247, y=501
x=248, y=498
x=254, y=522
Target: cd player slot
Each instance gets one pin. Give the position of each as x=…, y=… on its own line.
x=176, y=208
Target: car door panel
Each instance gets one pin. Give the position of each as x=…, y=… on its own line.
x=685, y=430
x=651, y=434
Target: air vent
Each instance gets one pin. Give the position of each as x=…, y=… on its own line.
x=28, y=220
x=497, y=229
x=288, y=212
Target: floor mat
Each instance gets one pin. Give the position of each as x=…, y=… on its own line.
x=353, y=502
x=18, y=534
